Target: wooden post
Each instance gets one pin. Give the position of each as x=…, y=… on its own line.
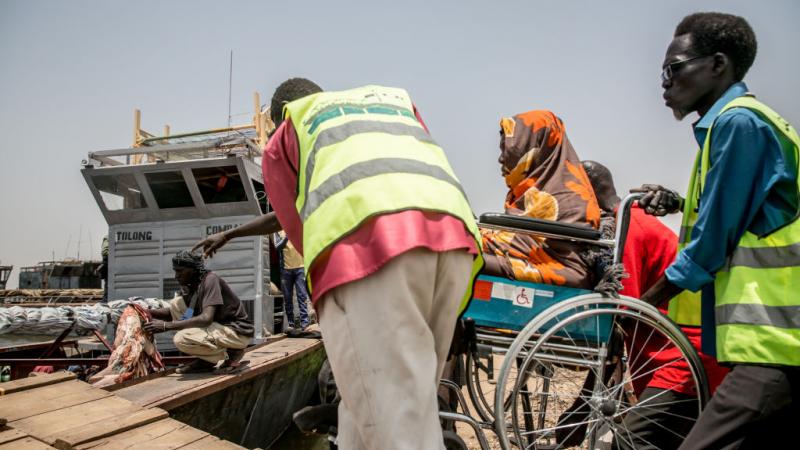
x=137, y=125
x=257, y=119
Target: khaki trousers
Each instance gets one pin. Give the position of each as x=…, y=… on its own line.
x=207, y=343
x=387, y=337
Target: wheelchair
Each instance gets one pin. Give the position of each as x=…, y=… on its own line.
x=551, y=367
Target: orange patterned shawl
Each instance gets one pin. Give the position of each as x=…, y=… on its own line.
x=135, y=354
x=545, y=181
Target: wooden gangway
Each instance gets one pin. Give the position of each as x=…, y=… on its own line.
x=252, y=407
x=58, y=411
x=174, y=390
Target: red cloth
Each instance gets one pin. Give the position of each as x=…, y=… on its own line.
x=135, y=354
x=650, y=248
x=371, y=245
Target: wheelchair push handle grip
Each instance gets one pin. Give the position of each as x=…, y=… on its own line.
x=623, y=221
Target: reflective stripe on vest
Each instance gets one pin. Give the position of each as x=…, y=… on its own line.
x=765, y=257
x=684, y=308
x=340, y=133
x=757, y=308
x=363, y=153
x=359, y=171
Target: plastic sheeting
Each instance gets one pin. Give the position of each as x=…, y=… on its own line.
x=53, y=321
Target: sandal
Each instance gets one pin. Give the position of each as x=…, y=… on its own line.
x=234, y=361
x=196, y=366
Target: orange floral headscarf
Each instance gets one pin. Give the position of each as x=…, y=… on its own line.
x=543, y=172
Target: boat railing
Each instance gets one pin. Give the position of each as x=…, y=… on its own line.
x=245, y=140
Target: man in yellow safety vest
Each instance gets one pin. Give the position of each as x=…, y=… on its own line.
x=391, y=247
x=740, y=237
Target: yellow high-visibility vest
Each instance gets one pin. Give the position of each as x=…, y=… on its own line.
x=363, y=153
x=757, y=306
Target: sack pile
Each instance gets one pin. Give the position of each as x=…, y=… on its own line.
x=53, y=321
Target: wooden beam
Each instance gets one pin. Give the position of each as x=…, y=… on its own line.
x=137, y=125
x=164, y=434
x=52, y=425
x=257, y=114
x=11, y=434
x=34, y=381
x=32, y=402
x=108, y=427
x=26, y=443
x=174, y=390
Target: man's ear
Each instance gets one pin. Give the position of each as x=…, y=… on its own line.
x=721, y=63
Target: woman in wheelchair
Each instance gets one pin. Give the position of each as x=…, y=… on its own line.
x=545, y=180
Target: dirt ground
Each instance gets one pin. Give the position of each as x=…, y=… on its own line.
x=566, y=383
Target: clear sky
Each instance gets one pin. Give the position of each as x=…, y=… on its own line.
x=71, y=73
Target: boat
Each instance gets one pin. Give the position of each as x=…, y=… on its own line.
x=161, y=195
x=5, y=272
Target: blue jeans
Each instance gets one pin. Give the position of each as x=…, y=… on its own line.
x=295, y=280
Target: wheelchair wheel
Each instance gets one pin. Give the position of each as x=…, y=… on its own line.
x=483, y=369
x=575, y=371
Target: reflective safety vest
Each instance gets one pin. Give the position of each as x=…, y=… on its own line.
x=684, y=308
x=364, y=153
x=757, y=307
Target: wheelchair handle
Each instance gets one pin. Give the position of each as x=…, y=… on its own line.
x=623, y=220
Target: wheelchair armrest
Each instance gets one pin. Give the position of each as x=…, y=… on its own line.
x=541, y=225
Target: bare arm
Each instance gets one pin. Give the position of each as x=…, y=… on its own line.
x=661, y=292
x=201, y=321
x=161, y=313
x=260, y=226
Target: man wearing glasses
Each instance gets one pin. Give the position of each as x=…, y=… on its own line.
x=737, y=272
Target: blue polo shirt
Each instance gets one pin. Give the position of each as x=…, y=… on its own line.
x=750, y=186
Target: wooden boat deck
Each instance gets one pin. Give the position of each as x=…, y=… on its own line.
x=58, y=411
x=10, y=343
x=174, y=390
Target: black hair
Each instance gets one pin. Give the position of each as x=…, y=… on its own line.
x=602, y=184
x=191, y=260
x=289, y=91
x=725, y=33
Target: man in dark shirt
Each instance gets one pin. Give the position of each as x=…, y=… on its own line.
x=213, y=325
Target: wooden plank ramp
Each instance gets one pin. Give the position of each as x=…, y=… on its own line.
x=174, y=390
x=48, y=411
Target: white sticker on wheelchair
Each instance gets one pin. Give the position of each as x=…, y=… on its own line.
x=543, y=293
x=523, y=296
x=503, y=291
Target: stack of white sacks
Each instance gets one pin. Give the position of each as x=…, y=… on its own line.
x=53, y=321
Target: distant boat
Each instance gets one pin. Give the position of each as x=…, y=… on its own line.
x=5, y=272
x=66, y=274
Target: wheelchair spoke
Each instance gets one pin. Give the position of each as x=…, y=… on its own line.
x=666, y=413
x=638, y=437
x=630, y=437
x=643, y=366
x=653, y=370
x=653, y=422
x=642, y=346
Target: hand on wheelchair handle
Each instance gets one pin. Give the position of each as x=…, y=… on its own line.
x=658, y=200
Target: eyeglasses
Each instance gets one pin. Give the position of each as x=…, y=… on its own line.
x=669, y=70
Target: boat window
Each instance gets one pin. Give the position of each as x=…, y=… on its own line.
x=169, y=189
x=220, y=184
x=261, y=196
x=119, y=192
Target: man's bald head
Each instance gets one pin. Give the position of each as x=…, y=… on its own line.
x=603, y=185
